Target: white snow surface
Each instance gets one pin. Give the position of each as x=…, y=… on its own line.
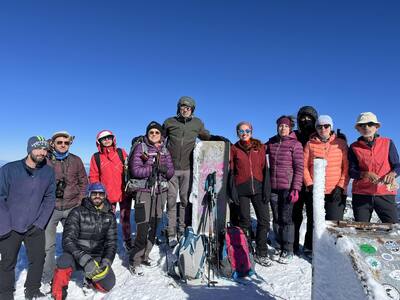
x=276, y=282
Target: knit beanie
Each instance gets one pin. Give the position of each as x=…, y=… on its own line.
x=323, y=120
x=154, y=124
x=36, y=142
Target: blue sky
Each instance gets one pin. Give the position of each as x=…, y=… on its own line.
x=83, y=66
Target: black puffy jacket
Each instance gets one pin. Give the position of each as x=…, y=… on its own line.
x=90, y=231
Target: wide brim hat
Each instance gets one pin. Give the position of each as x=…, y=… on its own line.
x=367, y=117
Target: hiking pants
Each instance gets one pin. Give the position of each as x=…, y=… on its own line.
x=179, y=183
x=125, y=216
x=282, y=210
x=9, y=249
x=146, y=219
x=384, y=206
x=261, y=209
x=334, y=208
x=50, y=245
x=305, y=198
x=66, y=264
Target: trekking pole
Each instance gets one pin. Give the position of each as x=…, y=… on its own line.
x=210, y=189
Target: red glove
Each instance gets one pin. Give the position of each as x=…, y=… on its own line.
x=294, y=196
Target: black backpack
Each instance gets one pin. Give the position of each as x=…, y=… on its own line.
x=124, y=164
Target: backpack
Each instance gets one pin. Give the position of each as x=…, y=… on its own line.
x=133, y=184
x=191, y=255
x=236, y=257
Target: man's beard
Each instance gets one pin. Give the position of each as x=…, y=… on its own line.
x=37, y=159
x=97, y=201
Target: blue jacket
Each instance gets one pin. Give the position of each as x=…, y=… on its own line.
x=27, y=196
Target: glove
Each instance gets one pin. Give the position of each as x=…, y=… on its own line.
x=310, y=188
x=163, y=169
x=337, y=193
x=294, y=196
x=4, y=236
x=104, y=267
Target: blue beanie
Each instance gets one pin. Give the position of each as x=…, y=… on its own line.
x=36, y=142
x=95, y=187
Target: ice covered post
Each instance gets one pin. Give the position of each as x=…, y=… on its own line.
x=318, y=210
x=319, y=199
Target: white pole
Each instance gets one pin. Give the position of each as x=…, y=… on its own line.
x=318, y=211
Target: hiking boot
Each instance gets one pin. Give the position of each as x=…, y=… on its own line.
x=33, y=294
x=128, y=245
x=274, y=253
x=307, y=253
x=286, y=257
x=136, y=270
x=149, y=263
x=263, y=260
x=172, y=242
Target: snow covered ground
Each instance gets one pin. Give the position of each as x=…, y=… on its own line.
x=276, y=282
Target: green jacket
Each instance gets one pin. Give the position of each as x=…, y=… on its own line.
x=182, y=134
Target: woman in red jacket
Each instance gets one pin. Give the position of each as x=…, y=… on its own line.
x=250, y=183
x=107, y=167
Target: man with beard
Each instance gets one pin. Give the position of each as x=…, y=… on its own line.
x=89, y=243
x=27, y=196
x=306, y=118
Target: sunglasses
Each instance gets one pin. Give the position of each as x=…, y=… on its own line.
x=108, y=137
x=186, y=107
x=154, y=132
x=67, y=143
x=326, y=126
x=98, y=194
x=369, y=124
x=246, y=131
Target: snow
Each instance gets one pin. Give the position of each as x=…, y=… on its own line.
x=276, y=282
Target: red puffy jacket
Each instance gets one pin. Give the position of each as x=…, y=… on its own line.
x=111, y=173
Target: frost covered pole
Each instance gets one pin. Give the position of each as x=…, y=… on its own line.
x=318, y=211
x=319, y=199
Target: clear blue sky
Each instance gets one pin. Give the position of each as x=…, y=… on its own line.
x=83, y=66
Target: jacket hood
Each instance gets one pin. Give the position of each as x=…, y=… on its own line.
x=307, y=110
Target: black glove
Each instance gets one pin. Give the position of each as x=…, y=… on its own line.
x=219, y=138
x=163, y=169
x=337, y=194
x=4, y=236
x=310, y=188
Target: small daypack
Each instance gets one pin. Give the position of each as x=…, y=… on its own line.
x=236, y=257
x=190, y=253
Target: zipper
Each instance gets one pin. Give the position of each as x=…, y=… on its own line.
x=182, y=138
x=251, y=173
x=276, y=160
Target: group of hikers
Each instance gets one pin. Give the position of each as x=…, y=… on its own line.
x=50, y=185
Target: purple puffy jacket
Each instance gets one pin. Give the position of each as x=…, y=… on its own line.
x=141, y=169
x=286, y=161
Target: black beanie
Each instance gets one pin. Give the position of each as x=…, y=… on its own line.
x=154, y=124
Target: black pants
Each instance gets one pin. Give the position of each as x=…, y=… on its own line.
x=384, y=206
x=34, y=241
x=240, y=216
x=334, y=208
x=305, y=198
x=282, y=210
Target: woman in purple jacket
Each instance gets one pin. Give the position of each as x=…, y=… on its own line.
x=151, y=166
x=286, y=169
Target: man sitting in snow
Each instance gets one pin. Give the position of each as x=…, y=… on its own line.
x=89, y=243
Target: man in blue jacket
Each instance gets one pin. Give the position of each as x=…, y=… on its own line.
x=27, y=197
